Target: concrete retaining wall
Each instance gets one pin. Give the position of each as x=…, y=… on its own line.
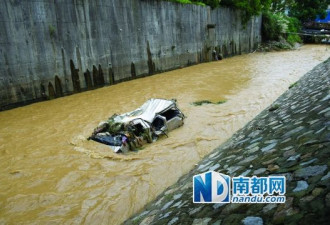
x=52, y=48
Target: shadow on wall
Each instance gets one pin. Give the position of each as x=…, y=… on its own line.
x=96, y=80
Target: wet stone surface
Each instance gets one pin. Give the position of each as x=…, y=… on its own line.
x=293, y=141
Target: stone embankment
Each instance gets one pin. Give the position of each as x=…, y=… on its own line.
x=291, y=138
x=49, y=49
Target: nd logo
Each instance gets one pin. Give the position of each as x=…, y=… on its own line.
x=211, y=187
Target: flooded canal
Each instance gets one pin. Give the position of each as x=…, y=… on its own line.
x=50, y=173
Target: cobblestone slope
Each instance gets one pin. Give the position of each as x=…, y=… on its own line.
x=291, y=138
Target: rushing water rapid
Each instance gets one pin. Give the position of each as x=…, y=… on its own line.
x=50, y=173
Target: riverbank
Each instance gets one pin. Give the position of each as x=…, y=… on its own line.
x=290, y=138
x=282, y=45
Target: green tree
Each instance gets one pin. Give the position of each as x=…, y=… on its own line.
x=212, y=3
x=280, y=5
x=304, y=10
x=249, y=7
x=277, y=26
x=307, y=10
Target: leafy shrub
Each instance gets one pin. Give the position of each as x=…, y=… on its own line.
x=249, y=8
x=199, y=3
x=271, y=29
x=196, y=2
x=294, y=26
x=183, y=1
x=212, y=3
x=277, y=25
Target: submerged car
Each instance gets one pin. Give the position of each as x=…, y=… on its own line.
x=131, y=130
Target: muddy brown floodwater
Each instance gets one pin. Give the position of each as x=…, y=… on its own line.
x=51, y=174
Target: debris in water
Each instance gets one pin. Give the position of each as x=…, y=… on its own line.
x=274, y=107
x=198, y=103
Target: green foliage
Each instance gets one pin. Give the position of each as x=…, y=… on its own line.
x=201, y=102
x=182, y=1
x=280, y=5
x=292, y=85
x=249, y=8
x=188, y=2
x=212, y=3
x=198, y=103
x=274, y=107
x=52, y=30
x=293, y=38
x=221, y=102
x=303, y=10
x=307, y=10
x=199, y=3
x=277, y=25
x=294, y=26
x=271, y=28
